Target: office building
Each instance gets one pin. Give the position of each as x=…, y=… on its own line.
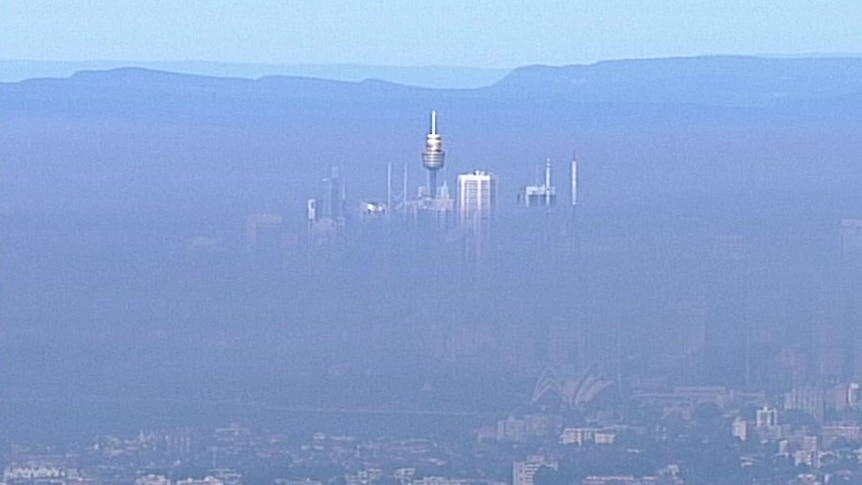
x=477, y=207
x=542, y=194
x=331, y=199
x=326, y=214
x=477, y=198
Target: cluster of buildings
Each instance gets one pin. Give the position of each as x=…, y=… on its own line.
x=783, y=395
x=44, y=470
x=235, y=455
x=463, y=216
x=563, y=435
x=804, y=331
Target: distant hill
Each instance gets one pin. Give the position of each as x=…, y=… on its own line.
x=423, y=76
x=657, y=86
x=716, y=80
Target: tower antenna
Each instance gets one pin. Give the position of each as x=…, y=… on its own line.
x=433, y=157
x=574, y=180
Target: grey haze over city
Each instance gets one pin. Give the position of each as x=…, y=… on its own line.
x=190, y=250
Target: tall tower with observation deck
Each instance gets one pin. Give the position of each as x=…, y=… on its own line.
x=433, y=158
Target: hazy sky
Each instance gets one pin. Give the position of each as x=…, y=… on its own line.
x=481, y=33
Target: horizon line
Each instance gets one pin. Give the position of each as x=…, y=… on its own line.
x=764, y=55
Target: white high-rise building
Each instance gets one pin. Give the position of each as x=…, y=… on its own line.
x=539, y=194
x=477, y=207
x=477, y=198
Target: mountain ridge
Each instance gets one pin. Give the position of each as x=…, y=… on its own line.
x=424, y=76
x=715, y=80
x=737, y=80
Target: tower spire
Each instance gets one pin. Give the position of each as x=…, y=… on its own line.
x=433, y=157
x=574, y=188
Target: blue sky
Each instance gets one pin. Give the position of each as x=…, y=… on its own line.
x=477, y=33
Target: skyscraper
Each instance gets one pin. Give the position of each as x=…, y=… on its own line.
x=539, y=194
x=538, y=225
x=571, y=224
x=477, y=198
x=477, y=207
x=331, y=198
x=326, y=214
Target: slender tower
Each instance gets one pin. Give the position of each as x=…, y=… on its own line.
x=433, y=157
x=571, y=224
x=574, y=180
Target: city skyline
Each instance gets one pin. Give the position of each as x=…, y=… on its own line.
x=638, y=273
